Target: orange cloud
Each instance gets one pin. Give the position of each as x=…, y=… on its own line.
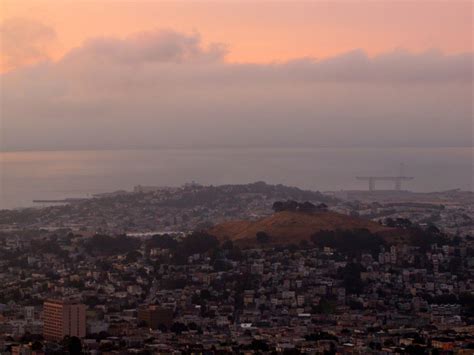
x=24, y=42
x=263, y=31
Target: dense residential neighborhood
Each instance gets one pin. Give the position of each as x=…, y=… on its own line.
x=152, y=278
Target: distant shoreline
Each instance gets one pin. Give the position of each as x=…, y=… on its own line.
x=224, y=147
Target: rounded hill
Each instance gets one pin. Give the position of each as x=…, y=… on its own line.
x=287, y=227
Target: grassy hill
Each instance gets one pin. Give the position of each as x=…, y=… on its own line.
x=289, y=227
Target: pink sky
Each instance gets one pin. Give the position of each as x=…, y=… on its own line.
x=260, y=31
x=149, y=73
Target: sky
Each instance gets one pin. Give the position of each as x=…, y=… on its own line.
x=144, y=73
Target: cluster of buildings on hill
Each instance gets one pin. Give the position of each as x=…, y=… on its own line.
x=150, y=209
x=451, y=211
x=154, y=209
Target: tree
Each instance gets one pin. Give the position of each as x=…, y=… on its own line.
x=37, y=346
x=228, y=245
x=73, y=345
x=142, y=324
x=349, y=241
x=162, y=328
x=351, y=278
x=198, y=243
x=106, y=245
x=164, y=241
x=262, y=237
x=278, y=206
x=415, y=350
x=259, y=345
x=304, y=244
x=402, y=223
x=324, y=307
x=133, y=256
x=306, y=207
x=289, y=205
x=235, y=254
x=178, y=327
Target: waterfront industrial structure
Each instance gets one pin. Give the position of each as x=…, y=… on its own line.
x=396, y=179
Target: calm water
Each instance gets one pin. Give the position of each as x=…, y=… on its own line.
x=52, y=175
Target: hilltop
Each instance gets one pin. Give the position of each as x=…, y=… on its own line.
x=154, y=208
x=287, y=227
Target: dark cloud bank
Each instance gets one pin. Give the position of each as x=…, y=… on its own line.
x=169, y=89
